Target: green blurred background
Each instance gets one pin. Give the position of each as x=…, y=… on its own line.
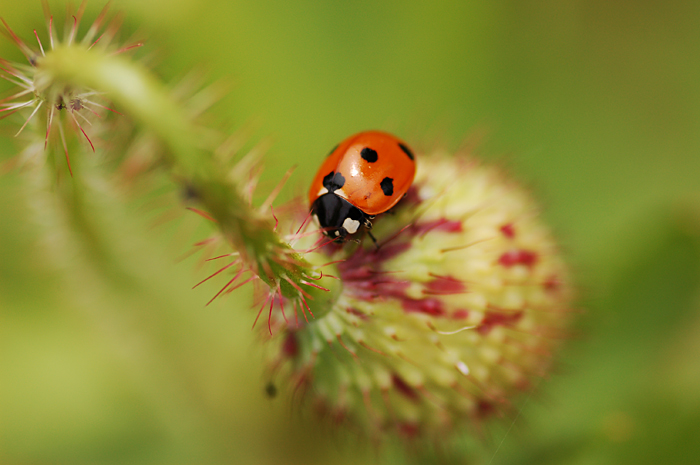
x=595, y=105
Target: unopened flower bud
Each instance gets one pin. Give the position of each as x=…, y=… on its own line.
x=456, y=311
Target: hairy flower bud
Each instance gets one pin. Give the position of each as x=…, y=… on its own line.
x=457, y=310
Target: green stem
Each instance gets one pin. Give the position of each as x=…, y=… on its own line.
x=139, y=94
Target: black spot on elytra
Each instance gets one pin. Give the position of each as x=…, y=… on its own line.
x=387, y=186
x=369, y=155
x=333, y=150
x=406, y=150
x=333, y=181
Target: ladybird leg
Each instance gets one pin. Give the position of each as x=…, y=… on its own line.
x=374, y=239
x=368, y=224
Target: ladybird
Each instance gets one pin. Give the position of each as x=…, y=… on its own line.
x=363, y=176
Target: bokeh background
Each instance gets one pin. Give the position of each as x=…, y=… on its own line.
x=594, y=105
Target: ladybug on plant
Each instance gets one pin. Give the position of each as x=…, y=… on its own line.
x=363, y=176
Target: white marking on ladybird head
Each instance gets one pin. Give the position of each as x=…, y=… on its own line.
x=314, y=218
x=351, y=225
x=337, y=233
x=321, y=192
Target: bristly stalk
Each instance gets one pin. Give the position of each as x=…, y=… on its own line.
x=59, y=74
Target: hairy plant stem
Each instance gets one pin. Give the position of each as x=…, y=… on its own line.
x=141, y=96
